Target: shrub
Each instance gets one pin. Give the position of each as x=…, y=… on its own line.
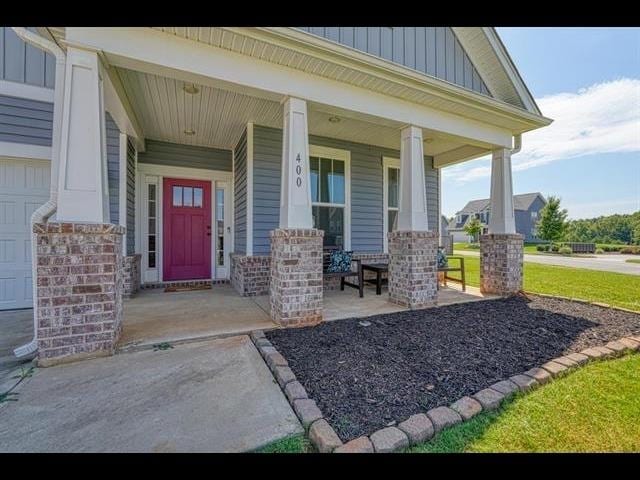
x=474, y=246
x=541, y=248
x=555, y=247
x=632, y=250
x=599, y=251
x=611, y=248
x=565, y=250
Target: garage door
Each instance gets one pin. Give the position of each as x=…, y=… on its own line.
x=24, y=186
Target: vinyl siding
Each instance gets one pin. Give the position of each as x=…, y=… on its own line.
x=24, y=63
x=240, y=195
x=366, y=189
x=23, y=120
x=131, y=197
x=113, y=167
x=177, y=155
x=524, y=222
x=434, y=51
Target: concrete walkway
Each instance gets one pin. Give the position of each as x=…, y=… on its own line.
x=215, y=396
x=16, y=329
x=607, y=263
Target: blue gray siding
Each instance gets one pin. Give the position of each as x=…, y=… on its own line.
x=27, y=121
x=113, y=167
x=240, y=195
x=23, y=63
x=177, y=155
x=432, y=50
x=366, y=189
x=131, y=197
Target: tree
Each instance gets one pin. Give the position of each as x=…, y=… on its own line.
x=473, y=228
x=553, y=220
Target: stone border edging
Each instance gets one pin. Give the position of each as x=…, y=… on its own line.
x=421, y=427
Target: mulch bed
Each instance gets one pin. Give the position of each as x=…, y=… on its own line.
x=366, y=377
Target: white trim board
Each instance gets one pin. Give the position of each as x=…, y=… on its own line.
x=386, y=163
x=23, y=90
x=249, y=167
x=24, y=150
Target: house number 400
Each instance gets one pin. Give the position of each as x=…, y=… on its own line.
x=298, y=171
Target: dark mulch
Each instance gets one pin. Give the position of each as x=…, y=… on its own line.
x=364, y=377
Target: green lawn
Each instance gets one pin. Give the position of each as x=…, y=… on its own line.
x=594, y=409
x=616, y=289
x=295, y=444
x=633, y=260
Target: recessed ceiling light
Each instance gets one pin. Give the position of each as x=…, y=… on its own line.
x=428, y=140
x=189, y=131
x=190, y=88
x=334, y=119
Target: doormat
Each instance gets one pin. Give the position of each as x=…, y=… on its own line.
x=186, y=288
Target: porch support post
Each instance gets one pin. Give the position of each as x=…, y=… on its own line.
x=295, y=286
x=79, y=258
x=501, y=250
x=413, y=247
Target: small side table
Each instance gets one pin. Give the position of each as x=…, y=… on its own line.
x=379, y=269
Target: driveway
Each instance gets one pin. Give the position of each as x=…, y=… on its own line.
x=607, y=263
x=214, y=396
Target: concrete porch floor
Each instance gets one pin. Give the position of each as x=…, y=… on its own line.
x=154, y=316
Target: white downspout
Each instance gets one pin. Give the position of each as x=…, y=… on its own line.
x=44, y=212
x=517, y=144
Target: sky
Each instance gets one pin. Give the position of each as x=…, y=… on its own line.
x=588, y=81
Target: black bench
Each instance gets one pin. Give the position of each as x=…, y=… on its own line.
x=459, y=268
x=326, y=260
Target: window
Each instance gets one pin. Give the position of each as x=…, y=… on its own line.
x=330, y=191
x=220, y=227
x=534, y=215
x=151, y=233
x=391, y=196
x=187, y=197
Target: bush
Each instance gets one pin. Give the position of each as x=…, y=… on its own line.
x=555, y=247
x=474, y=246
x=541, y=248
x=611, y=248
x=565, y=251
x=632, y=250
x=599, y=251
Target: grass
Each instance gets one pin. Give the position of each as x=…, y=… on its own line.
x=295, y=444
x=633, y=260
x=528, y=247
x=616, y=289
x=594, y=409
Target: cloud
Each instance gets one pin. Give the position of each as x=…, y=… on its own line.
x=602, y=118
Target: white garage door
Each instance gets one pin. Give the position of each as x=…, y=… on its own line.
x=24, y=186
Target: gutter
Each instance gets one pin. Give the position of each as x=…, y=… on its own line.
x=44, y=212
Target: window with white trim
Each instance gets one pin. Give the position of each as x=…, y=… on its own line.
x=328, y=198
x=391, y=186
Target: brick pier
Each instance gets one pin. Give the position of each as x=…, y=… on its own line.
x=296, y=276
x=79, y=290
x=501, y=257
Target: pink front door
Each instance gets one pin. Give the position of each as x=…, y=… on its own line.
x=186, y=229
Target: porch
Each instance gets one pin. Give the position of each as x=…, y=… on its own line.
x=236, y=168
x=154, y=317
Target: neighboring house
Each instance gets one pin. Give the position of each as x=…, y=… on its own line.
x=203, y=145
x=526, y=207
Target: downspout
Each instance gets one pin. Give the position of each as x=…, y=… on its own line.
x=517, y=144
x=44, y=212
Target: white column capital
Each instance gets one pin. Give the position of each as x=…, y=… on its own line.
x=82, y=179
x=412, y=214
x=501, y=217
x=295, y=192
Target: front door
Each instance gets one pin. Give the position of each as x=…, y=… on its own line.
x=186, y=229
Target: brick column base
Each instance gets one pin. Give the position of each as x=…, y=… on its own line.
x=250, y=274
x=79, y=290
x=501, y=257
x=131, y=275
x=296, y=277
x=413, y=280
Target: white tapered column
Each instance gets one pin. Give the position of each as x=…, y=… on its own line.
x=295, y=193
x=502, y=219
x=83, y=193
x=412, y=213
x=412, y=247
x=501, y=250
x=295, y=286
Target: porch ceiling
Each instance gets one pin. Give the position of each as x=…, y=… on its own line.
x=218, y=117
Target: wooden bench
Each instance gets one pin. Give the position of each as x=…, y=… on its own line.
x=326, y=260
x=459, y=268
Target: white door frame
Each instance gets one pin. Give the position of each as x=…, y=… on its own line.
x=151, y=173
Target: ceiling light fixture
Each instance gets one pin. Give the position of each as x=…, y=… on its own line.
x=334, y=119
x=428, y=140
x=189, y=131
x=190, y=88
